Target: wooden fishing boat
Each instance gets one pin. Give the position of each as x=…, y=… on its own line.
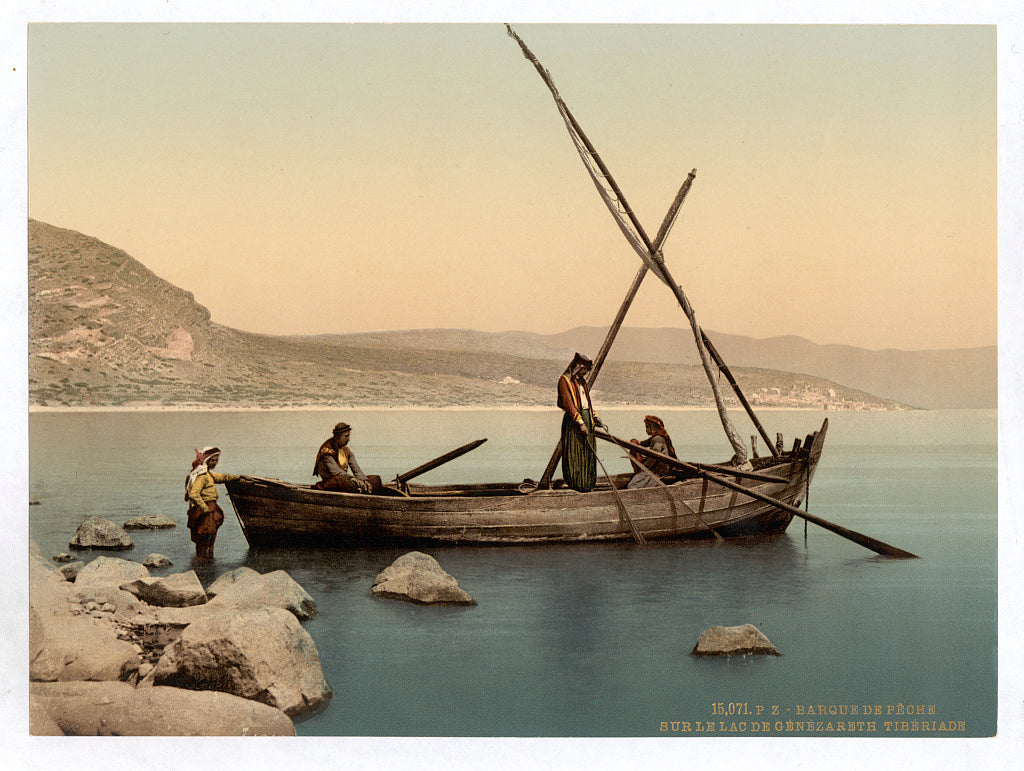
x=747, y=496
x=271, y=511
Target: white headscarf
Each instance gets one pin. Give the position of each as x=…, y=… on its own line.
x=202, y=458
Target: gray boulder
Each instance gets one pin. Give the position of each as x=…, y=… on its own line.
x=734, y=641
x=239, y=589
x=226, y=580
x=179, y=590
x=99, y=533
x=62, y=557
x=156, y=561
x=149, y=522
x=100, y=581
x=419, y=578
x=69, y=645
x=264, y=655
x=117, y=709
x=245, y=588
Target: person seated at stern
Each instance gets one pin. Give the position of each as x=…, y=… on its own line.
x=337, y=467
x=659, y=441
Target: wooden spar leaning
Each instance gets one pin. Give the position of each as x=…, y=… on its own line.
x=438, y=461
x=868, y=542
x=640, y=242
x=613, y=330
x=739, y=393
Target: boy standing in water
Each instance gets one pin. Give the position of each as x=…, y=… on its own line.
x=204, y=514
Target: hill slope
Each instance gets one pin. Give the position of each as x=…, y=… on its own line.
x=105, y=330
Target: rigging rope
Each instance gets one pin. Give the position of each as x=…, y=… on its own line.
x=634, y=234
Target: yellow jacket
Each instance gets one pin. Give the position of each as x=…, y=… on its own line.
x=204, y=490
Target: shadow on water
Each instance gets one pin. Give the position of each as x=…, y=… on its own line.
x=776, y=548
x=578, y=575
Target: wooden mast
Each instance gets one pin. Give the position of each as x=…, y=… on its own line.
x=613, y=330
x=640, y=242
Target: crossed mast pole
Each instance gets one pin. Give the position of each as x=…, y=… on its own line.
x=653, y=259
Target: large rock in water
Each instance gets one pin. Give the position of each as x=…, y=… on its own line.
x=245, y=588
x=99, y=533
x=734, y=641
x=418, y=577
x=154, y=560
x=264, y=655
x=117, y=709
x=179, y=590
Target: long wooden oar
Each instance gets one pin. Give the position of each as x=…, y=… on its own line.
x=866, y=541
x=438, y=461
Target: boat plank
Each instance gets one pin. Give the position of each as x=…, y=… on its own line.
x=271, y=510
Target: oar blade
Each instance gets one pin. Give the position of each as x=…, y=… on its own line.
x=879, y=547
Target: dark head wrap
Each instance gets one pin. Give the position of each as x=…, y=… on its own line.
x=657, y=426
x=340, y=428
x=577, y=360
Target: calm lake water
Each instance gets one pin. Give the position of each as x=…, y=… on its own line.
x=595, y=640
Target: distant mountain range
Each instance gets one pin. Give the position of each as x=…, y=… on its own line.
x=105, y=331
x=959, y=378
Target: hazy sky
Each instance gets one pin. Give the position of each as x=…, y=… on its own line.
x=342, y=178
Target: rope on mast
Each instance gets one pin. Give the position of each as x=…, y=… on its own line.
x=637, y=238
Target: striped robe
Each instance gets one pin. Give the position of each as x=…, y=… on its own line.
x=579, y=455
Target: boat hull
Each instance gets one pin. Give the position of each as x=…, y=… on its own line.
x=273, y=512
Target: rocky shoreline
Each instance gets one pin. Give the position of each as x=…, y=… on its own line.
x=116, y=651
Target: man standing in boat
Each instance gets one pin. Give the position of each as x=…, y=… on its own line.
x=337, y=467
x=579, y=455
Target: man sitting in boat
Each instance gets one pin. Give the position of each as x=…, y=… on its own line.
x=337, y=468
x=659, y=441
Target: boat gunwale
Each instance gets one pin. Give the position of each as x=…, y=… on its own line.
x=487, y=492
